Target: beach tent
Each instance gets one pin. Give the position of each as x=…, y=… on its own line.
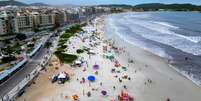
x=61, y=75
x=91, y=52
x=77, y=62
x=95, y=66
x=91, y=78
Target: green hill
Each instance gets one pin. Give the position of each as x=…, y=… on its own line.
x=12, y=2
x=177, y=7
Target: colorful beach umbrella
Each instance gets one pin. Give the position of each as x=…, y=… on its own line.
x=75, y=97
x=95, y=66
x=103, y=92
x=124, y=68
x=91, y=78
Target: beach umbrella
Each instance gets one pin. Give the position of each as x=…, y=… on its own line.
x=103, y=92
x=110, y=56
x=75, y=97
x=95, y=66
x=91, y=52
x=91, y=78
x=124, y=68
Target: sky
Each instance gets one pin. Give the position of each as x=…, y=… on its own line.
x=96, y=2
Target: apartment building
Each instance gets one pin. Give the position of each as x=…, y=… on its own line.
x=25, y=20
x=72, y=17
x=24, y=24
x=44, y=21
x=6, y=23
x=59, y=18
x=3, y=29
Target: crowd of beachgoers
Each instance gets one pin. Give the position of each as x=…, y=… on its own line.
x=106, y=71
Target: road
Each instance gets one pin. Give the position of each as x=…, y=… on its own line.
x=21, y=74
x=27, y=69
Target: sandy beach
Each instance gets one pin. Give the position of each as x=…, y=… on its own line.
x=145, y=76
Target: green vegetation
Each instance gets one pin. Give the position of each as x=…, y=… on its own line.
x=66, y=58
x=48, y=44
x=174, y=7
x=30, y=45
x=63, y=57
x=29, y=50
x=13, y=49
x=8, y=34
x=2, y=69
x=74, y=29
x=20, y=36
x=116, y=8
x=11, y=2
x=8, y=59
x=79, y=51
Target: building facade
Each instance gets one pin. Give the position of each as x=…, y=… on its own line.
x=25, y=20
x=43, y=21
x=24, y=24
x=6, y=23
x=3, y=29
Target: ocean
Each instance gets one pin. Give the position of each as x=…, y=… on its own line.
x=175, y=36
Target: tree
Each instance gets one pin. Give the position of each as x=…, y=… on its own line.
x=36, y=30
x=30, y=45
x=21, y=36
x=48, y=44
x=8, y=59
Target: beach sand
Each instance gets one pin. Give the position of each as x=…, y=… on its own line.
x=165, y=81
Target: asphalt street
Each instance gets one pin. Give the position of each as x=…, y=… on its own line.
x=22, y=73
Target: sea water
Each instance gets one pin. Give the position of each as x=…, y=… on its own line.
x=172, y=35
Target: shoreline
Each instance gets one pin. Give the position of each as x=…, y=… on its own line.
x=165, y=82
x=182, y=73
x=177, y=59
x=172, y=68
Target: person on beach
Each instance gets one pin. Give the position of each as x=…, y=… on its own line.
x=84, y=69
x=149, y=81
x=125, y=87
x=83, y=80
x=168, y=99
x=96, y=72
x=114, y=87
x=83, y=92
x=120, y=80
x=101, y=83
x=89, y=94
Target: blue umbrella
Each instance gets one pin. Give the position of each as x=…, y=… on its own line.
x=91, y=78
